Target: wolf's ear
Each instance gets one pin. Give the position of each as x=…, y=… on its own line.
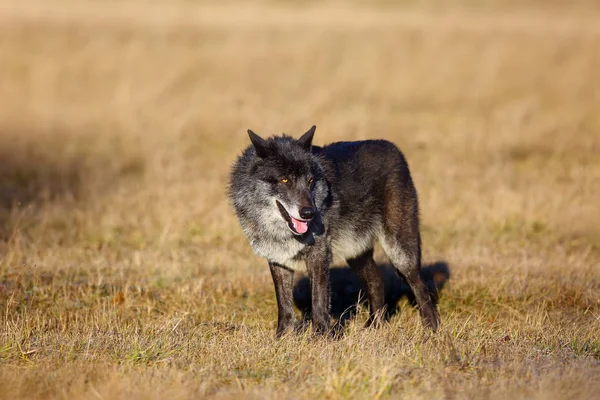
x=260, y=144
x=306, y=139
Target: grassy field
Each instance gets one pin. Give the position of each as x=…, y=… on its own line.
x=124, y=273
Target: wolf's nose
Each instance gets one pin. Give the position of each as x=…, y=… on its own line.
x=307, y=213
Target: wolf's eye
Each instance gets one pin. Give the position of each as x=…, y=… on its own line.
x=284, y=180
x=310, y=181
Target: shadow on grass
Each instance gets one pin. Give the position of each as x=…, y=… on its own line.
x=347, y=289
x=28, y=173
x=42, y=167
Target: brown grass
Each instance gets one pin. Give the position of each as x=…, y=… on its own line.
x=124, y=274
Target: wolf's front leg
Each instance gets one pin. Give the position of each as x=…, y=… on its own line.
x=317, y=264
x=283, y=278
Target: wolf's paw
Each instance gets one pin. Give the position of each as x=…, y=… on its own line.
x=430, y=318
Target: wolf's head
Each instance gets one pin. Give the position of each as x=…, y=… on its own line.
x=286, y=182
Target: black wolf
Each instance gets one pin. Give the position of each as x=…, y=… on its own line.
x=299, y=205
x=347, y=290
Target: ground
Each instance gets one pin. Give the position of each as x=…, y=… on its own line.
x=124, y=273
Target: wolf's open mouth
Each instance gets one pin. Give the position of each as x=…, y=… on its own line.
x=298, y=227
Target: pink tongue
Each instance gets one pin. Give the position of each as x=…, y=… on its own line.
x=299, y=226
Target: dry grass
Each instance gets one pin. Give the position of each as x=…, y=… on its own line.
x=124, y=274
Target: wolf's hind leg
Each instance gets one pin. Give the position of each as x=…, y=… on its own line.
x=401, y=241
x=408, y=264
x=365, y=267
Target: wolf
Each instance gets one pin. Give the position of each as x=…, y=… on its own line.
x=300, y=205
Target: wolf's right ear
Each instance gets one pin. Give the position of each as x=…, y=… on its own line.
x=260, y=144
x=306, y=139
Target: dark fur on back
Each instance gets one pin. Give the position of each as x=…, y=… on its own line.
x=300, y=205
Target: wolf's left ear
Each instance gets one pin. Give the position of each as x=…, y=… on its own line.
x=260, y=144
x=306, y=139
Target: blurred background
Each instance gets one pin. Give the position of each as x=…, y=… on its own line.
x=119, y=121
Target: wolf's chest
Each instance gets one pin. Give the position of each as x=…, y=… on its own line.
x=345, y=244
x=281, y=252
